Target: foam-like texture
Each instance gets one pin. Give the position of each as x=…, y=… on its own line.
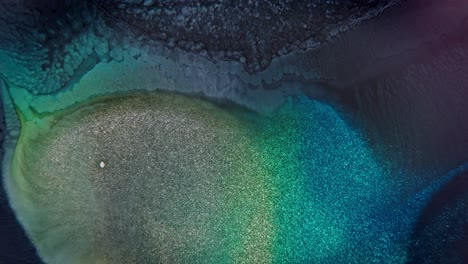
x=46, y=46
x=142, y=176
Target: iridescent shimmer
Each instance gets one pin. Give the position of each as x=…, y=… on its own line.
x=330, y=191
x=156, y=177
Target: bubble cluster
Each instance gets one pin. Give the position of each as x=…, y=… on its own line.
x=251, y=32
x=46, y=48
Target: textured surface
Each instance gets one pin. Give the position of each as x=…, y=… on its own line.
x=165, y=193
x=441, y=233
x=401, y=76
x=188, y=181
x=251, y=32
x=46, y=46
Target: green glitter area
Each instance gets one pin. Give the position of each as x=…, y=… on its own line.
x=186, y=180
